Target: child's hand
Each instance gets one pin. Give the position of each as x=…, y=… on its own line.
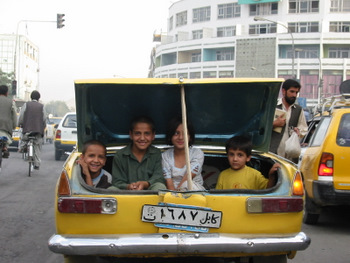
x=140, y=185
x=85, y=170
x=83, y=165
x=274, y=168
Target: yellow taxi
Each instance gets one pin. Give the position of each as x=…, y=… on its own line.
x=246, y=225
x=325, y=161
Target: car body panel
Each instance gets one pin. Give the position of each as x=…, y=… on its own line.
x=104, y=110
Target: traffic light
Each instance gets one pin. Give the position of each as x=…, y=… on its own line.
x=60, y=20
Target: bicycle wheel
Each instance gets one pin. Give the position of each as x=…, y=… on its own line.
x=30, y=168
x=30, y=156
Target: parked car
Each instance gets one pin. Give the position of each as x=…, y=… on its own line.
x=65, y=135
x=249, y=225
x=50, y=129
x=325, y=160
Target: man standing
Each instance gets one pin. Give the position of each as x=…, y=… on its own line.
x=32, y=119
x=8, y=118
x=293, y=118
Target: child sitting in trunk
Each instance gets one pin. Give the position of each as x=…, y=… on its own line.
x=239, y=175
x=92, y=160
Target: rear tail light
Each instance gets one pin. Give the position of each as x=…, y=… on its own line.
x=63, y=185
x=326, y=165
x=87, y=205
x=58, y=134
x=274, y=205
x=298, y=186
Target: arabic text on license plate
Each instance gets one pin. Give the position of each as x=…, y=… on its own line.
x=181, y=215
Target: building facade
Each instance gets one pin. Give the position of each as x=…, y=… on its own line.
x=304, y=39
x=20, y=56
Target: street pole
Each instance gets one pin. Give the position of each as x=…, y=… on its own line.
x=258, y=18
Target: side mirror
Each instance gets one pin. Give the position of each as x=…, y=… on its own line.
x=56, y=125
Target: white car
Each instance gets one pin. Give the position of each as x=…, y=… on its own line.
x=66, y=135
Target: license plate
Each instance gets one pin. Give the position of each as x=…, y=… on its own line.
x=181, y=215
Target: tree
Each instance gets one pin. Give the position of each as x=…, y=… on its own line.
x=6, y=79
x=56, y=108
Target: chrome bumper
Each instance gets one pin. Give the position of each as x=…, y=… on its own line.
x=179, y=244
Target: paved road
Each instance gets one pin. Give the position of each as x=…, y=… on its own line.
x=27, y=218
x=26, y=209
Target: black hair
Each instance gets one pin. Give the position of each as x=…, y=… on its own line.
x=289, y=83
x=4, y=89
x=172, y=126
x=142, y=119
x=241, y=143
x=92, y=142
x=35, y=95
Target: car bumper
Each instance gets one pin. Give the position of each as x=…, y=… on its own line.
x=176, y=244
x=64, y=147
x=325, y=194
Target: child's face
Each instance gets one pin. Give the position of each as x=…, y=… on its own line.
x=142, y=136
x=95, y=158
x=237, y=159
x=178, y=138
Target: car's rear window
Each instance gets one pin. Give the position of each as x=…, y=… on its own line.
x=70, y=121
x=320, y=132
x=343, y=135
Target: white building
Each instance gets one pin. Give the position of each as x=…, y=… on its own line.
x=221, y=38
x=20, y=56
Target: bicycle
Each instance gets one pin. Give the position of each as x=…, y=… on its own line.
x=3, y=140
x=28, y=152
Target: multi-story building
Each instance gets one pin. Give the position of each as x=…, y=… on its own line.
x=20, y=56
x=304, y=39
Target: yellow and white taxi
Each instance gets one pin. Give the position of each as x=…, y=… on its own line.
x=248, y=225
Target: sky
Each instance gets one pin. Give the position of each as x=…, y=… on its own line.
x=101, y=39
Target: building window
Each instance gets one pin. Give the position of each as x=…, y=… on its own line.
x=225, y=74
x=303, y=27
x=228, y=31
x=201, y=14
x=184, y=75
x=263, y=9
x=339, y=26
x=196, y=57
x=303, y=6
x=305, y=53
x=229, y=10
x=225, y=54
x=181, y=19
x=171, y=23
x=262, y=29
x=209, y=74
x=197, y=34
x=341, y=52
x=195, y=75
x=340, y=6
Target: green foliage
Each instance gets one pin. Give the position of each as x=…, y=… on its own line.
x=56, y=108
x=6, y=79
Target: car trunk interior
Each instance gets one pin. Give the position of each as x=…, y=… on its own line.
x=213, y=165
